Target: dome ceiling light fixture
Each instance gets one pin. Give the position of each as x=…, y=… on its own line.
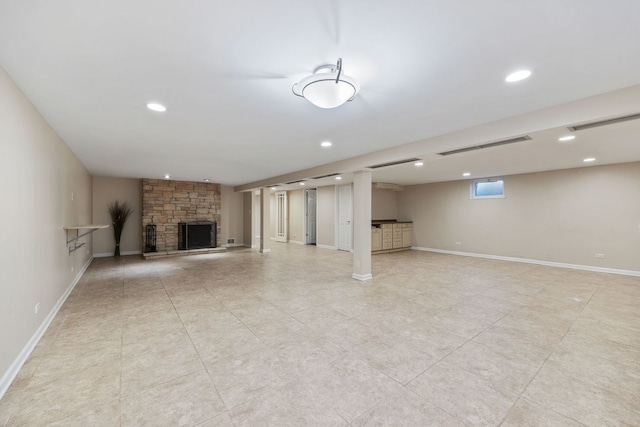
x=327, y=87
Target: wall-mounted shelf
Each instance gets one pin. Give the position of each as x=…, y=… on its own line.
x=81, y=230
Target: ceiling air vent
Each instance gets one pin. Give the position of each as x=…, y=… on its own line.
x=386, y=186
x=295, y=182
x=325, y=176
x=604, y=122
x=487, y=145
x=397, y=162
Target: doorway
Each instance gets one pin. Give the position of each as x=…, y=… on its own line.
x=281, y=216
x=310, y=215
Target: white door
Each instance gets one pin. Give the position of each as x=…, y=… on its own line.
x=310, y=214
x=281, y=216
x=344, y=217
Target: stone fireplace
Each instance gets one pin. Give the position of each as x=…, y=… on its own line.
x=167, y=204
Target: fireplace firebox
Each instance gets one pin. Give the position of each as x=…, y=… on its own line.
x=196, y=235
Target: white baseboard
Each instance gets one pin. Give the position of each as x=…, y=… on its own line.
x=362, y=277
x=534, y=261
x=326, y=247
x=297, y=242
x=108, y=254
x=17, y=364
x=265, y=251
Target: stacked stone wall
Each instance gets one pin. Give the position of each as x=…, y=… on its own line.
x=167, y=203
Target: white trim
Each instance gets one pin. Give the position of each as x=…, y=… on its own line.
x=232, y=245
x=362, y=277
x=297, y=242
x=265, y=251
x=15, y=367
x=108, y=254
x=534, y=261
x=326, y=246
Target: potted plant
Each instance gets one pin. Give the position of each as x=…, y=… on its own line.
x=119, y=212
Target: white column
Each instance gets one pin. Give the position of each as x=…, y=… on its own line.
x=265, y=221
x=362, y=225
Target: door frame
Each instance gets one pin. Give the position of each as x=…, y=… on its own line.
x=282, y=217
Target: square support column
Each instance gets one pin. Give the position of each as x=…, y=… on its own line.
x=362, y=225
x=265, y=221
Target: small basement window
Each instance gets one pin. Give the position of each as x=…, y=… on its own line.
x=491, y=188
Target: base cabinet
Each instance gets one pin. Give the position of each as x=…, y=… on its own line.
x=391, y=236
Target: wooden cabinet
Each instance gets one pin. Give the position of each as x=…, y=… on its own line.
x=376, y=239
x=391, y=236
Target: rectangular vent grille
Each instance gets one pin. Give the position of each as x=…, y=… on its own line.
x=398, y=162
x=325, y=176
x=487, y=145
x=295, y=182
x=604, y=122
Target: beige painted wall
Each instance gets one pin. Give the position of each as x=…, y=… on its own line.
x=296, y=215
x=108, y=190
x=40, y=173
x=384, y=204
x=562, y=216
x=326, y=205
x=232, y=215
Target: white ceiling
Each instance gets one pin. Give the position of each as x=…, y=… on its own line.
x=225, y=70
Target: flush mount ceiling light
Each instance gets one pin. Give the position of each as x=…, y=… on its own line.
x=466, y=174
x=589, y=159
x=518, y=75
x=156, y=107
x=567, y=138
x=418, y=164
x=167, y=176
x=327, y=87
x=338, y=178
x=326, y=144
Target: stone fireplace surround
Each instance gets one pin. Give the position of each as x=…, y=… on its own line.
x=167, y=203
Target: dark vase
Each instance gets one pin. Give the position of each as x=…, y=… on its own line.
x=117, y=252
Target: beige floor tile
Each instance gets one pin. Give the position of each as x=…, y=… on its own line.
x=290, y=339
x=580, y=400
x=463, y=395
x=406, y=409
x=184, y=401
x=249, y=376
x=349, y=386
x=508, y=374
x=156, y=366
x=528, y=414
x=289, y=405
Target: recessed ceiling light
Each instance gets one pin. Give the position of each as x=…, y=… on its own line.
x=167, y=176
x=338, y=177
x=567, y=138
x=326, y=144
x=466, y=174
x=518, y=75
x=206, y=180
x=156, y=107
x=418, y=164
x=273, y=188
x=589, y=159
x=302, y=183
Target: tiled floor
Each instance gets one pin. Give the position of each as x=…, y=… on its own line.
x=289, y=339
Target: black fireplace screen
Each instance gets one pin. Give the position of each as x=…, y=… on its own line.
x=197, y=235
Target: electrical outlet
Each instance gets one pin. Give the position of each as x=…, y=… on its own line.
x=37, y=308
x=601, y=256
